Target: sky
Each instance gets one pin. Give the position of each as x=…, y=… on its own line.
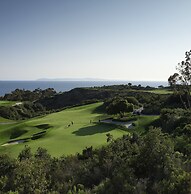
x=107, y=39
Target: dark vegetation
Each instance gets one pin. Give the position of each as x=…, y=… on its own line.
x=120, y=105
x=181, y=81
x=128, y=98
x=27, y=95
x=177, y=122
x=152, y=103
x=39, y=102
x=22, y=111
x=29, y=107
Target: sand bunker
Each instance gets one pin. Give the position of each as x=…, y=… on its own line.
x=13, y=142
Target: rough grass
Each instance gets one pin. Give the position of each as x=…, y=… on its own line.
x=58, y=137
x=143, y=123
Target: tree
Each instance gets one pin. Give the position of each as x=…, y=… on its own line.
x=159, y=165
x=42, y=153
x=181, y=81
x=25, y=154
x=109, y=137
x=119, y=106
x=129, y=84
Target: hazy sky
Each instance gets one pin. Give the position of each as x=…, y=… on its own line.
x=111, y=39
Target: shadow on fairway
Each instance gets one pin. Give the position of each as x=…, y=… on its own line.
x=91, y=130
x=99, y=110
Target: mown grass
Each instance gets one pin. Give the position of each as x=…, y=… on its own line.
x=58, y=137
x=7, y=103
x=156, y=91
x=161, y=91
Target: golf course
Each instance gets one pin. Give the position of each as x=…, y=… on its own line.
x=63, y=133
x=56, y=133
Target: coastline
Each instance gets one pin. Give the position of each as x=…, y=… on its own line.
x=62, y=86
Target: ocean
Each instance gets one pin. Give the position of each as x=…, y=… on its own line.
x=61, y=86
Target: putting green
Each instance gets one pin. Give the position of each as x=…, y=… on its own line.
x=57, y=134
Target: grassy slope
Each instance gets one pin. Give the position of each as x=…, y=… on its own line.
x=4, y=120
x=161, y=91
x=143, y=122
x=7, y=103
x=156, y=91
x=59, y=138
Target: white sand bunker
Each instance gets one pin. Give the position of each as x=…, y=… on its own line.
x=13, y=142
x=128, y=125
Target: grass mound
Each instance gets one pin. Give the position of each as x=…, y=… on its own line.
x=43, y=126
x=38, y=135
x=17, y=132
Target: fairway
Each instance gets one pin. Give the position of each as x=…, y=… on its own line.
x=161, y=91
x=57, y=134
x=156, y=91
x=7, y=103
